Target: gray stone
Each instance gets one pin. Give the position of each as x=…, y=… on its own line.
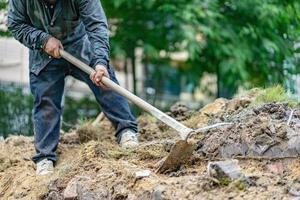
x=294, y=143
x=70, y=192
x=225, y=169
x=231, y=150
x=52, y=186
x=158, y=193
x=54, y=195
x=85, y=188
x=294, y=189
x=142, y=174
x=85, y=192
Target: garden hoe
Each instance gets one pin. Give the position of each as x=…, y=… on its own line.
x=182, y=149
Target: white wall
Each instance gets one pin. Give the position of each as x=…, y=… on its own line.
x=13, y=61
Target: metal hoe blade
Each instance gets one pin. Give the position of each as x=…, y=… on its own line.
x=182, y=150
x=179, y=155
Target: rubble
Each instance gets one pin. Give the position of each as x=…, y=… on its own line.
x=70, y=192
x=142, y=174
x=222, y=170
x=294, y=189
x=257, y=132
x=158, y=193
x=262, y=145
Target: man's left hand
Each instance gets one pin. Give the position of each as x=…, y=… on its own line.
x=96, y=76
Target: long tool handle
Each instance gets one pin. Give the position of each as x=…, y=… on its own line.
x=182, y=129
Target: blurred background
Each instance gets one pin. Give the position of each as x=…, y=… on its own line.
x=166, y=51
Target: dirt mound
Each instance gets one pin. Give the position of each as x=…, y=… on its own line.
x=270, y=130
x=264, y=138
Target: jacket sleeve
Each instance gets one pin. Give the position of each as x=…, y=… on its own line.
x=19, y=25
x=94, y=19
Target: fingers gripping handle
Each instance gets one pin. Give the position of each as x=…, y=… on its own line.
x=182, y=129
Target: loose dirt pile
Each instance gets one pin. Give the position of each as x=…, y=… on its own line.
x=264, y=138
x=262, y=131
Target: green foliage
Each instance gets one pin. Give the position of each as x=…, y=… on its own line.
x=274, y=94
x=79, y=111
x=245, y=43
x=3, y=4
x=3, y=8
x=16, y=111
x=5, y=34
x=249, y=46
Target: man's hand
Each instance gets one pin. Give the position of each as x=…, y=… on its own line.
x=96, y=76
x=52, y=47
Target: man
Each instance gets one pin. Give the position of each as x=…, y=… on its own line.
x=80, y=27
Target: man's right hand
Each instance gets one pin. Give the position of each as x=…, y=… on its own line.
x=52, y=47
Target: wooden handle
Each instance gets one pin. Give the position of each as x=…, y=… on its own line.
x=182, y=129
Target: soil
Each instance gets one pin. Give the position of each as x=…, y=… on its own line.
x=262, y=138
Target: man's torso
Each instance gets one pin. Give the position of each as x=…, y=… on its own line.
x=64, y=24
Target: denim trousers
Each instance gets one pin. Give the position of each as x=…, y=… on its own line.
x=47, y=89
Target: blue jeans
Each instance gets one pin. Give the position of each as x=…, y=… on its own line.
x=48, y=87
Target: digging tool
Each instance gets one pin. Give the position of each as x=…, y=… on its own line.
x=99, y=118
x=182, y=149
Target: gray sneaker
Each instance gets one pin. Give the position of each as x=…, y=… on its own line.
x=129, y=139
x=44, y=167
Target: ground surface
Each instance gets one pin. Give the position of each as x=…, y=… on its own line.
x=262, y=138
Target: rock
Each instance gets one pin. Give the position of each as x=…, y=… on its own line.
x=236, y=149
x=225, y=169
x=294, y=190
x=158, y=193
x=53, y=185
x=294, y=140
x=85, y=188
x=94, y=192
x=1, y=139
x=70, y=192
x=142, y=174
x=54, y=195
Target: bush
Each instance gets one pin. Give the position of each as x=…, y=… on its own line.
x=16, y=105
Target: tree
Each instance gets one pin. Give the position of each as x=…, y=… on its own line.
x=3, y=11
x=144, y=24
x=245, y=43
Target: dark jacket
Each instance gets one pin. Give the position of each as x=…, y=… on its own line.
x=80, y=25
